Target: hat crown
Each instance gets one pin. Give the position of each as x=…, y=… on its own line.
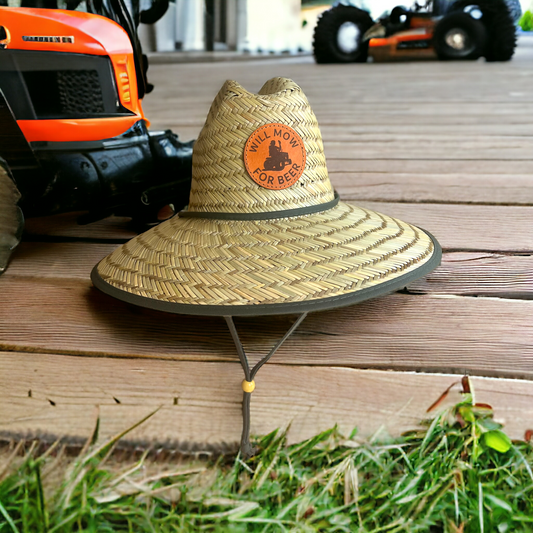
x=221, y=182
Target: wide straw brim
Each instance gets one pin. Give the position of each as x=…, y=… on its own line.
x=202, y=266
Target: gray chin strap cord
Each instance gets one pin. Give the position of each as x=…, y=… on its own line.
x=248, y=385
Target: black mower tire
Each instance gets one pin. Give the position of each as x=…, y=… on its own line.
x=325, y=44
x=474, y=29
x=501, y=29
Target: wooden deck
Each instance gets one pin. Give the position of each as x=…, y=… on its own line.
x=446, y=146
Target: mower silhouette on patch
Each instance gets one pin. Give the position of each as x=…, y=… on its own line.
x=277, y=159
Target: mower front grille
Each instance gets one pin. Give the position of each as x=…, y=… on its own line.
x=42, y=85
x=80, y=92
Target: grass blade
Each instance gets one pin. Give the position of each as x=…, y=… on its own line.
x=9, y=520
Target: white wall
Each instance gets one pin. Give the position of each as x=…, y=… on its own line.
x=257, y=26
x=182, y=23
x=165, y=30
x=190, y=24
x=269, y=26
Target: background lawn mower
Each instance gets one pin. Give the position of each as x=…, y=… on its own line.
x=443, y=29
x=73, y=135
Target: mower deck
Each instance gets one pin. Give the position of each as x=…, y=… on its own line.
x=406, y=45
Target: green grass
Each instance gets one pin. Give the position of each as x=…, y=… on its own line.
x=460, y=473
x=526, y=22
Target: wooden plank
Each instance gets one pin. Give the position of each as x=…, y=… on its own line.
x=461, y=273
x=406, y=149
x=199, y=403
x=420, y=85
x=57, y=260
x=480, y=274
x=486, y=336
x=431, y=167
x=468, y=227
x=384, y=85
x=436, y=131
x=436, y=108
x=441, y=188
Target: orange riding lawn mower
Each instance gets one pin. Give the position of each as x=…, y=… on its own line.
x=443, y=29
x=73, y=135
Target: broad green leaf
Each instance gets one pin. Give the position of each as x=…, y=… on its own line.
x=497, y=440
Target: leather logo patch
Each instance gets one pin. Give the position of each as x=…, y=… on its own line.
x=274, y=156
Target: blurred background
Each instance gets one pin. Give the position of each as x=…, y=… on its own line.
x=247, y=26
x=255, y=26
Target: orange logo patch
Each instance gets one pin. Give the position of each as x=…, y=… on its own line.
x=274, y=156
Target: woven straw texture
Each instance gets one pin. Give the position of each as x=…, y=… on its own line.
x=200, y=261
x=220, y=182
x=213, y=262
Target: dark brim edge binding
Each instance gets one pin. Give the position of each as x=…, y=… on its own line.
x=322, y=304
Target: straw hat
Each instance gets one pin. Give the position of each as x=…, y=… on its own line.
x=264, y=233
x=243, y=249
